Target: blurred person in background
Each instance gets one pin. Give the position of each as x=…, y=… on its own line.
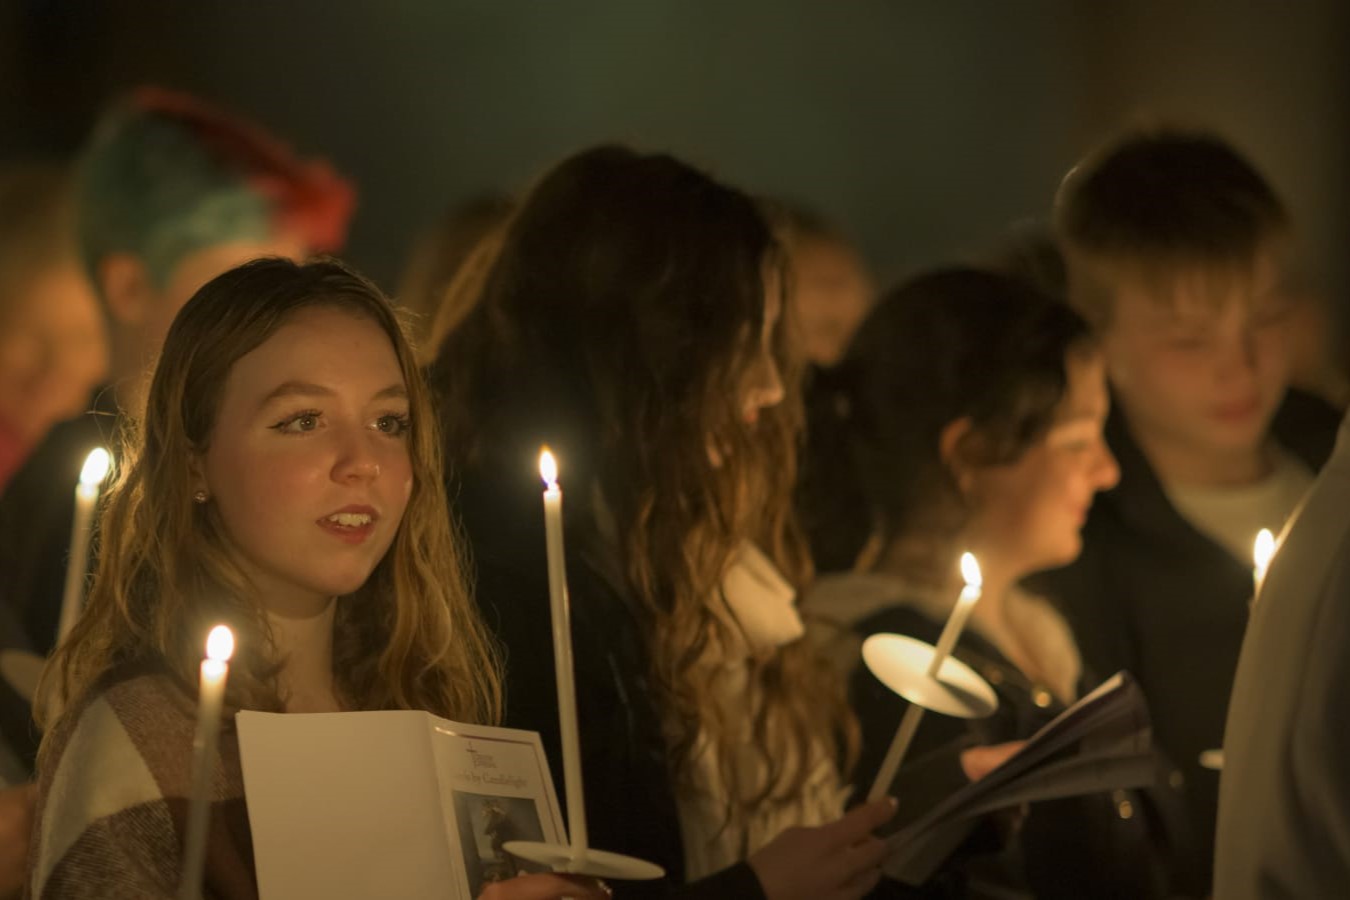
x=53, y=343
x=168, y=193
x=457, y=242
x=1183, y=258
x=830, y=293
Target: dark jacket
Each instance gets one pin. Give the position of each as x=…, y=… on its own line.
x=1153, y=595
x=630, y=800
x=36, y=511
x=1101, y=846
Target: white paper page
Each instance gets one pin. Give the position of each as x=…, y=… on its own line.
x=495, y=787
x=345, y=806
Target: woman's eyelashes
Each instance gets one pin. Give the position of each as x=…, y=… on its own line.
x=393, y=424
x=299, y=422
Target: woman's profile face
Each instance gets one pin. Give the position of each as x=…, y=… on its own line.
x=1034, y=509
x=308, y=461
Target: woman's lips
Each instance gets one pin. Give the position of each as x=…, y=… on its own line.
x=351, y=524
x=1237, y=412
x=348, y=533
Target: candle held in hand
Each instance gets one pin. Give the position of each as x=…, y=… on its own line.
x=562, y=655
x=951, y=633
x=95, y=470
x=210, y=699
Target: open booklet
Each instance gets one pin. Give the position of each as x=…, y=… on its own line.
x=1102, y=743
x=358, y=806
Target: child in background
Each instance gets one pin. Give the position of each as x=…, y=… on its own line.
x=1180, y=255
x=168, y=193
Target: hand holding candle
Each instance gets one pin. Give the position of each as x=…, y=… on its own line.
x=96, y=466
x=211, y=696
x=951, y=633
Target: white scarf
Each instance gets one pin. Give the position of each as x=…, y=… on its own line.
x=761, y=613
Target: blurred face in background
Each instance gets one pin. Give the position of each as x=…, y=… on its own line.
x=1200, y=369
x=53, y=349
x=1033, y=510
x=831, y=294
x=142, y=310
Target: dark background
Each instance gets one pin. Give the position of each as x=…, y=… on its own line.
x=923, y=127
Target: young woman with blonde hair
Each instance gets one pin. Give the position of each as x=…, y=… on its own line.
x=285, y=480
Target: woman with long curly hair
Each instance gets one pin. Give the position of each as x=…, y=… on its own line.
x=286, y=480
x=632, y=321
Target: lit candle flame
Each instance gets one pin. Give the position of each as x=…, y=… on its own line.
x=96, y=466
x=548, y=468
x=1262, y=551
x=220, y=644
x=970, y=570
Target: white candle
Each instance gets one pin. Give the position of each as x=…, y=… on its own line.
x=210, y=699
x=951, y=633
x=1263, y=550
x=562, y=655
x=965, y=605
x=96, y=466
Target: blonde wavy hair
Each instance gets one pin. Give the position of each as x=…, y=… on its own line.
x=618, y=322
x=409, y=638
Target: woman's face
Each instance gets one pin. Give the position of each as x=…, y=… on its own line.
x=308, y=460
x=1031, y=512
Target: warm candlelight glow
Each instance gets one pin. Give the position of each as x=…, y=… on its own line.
x=1262, y=551
x=970, y=570
x=548, y=468
x=951, y=633
x=96, y=466
x=210, y=702
x=220, y=644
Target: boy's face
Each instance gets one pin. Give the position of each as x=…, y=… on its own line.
x=1204, y=369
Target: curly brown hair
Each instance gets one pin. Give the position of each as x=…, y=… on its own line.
x=617, y=324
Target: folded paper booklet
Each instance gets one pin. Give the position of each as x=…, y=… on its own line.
x=1102, y=743
x=365, y=805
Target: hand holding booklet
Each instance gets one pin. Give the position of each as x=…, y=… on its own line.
x=1102, y=743
x=390, y=804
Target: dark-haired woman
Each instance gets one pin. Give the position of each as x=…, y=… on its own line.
x=974, y=421
x=632, y=322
